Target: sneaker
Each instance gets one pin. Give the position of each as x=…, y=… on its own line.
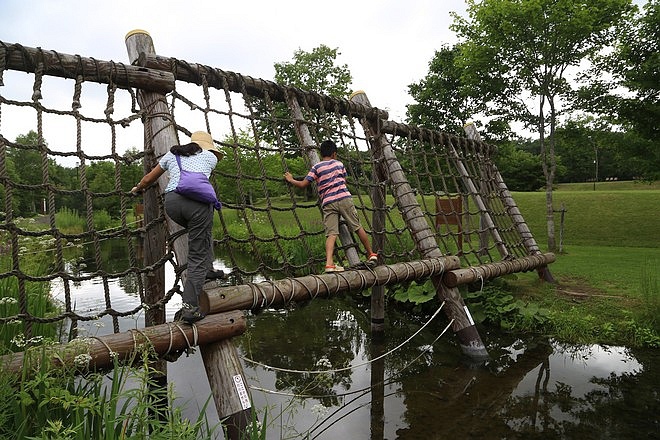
x=215, y=274
x=190, y=314
x=333, y=268
x=373, y=257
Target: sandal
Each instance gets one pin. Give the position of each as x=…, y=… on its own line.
x=333, y=268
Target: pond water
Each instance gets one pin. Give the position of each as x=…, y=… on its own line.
x=420, y=386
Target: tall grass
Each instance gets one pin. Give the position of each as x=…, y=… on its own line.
x=37, y=294
x=69, y=221
x=52, y=403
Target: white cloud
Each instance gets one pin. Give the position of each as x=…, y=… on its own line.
x=386, y=44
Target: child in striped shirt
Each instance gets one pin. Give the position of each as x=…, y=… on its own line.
x=330, y=177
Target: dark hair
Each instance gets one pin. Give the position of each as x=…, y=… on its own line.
x=327, y=148
x=186, y=149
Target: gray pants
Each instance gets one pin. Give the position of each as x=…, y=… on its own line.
x=197, y=218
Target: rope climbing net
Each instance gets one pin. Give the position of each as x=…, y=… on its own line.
x=65, y=175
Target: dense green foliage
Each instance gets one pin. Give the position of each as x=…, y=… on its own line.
x=28, y=164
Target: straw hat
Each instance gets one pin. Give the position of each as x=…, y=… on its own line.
x=204, y=140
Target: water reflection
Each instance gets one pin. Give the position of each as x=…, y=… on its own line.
x=531, y=388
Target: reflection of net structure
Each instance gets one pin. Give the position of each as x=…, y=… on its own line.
x=264, y=129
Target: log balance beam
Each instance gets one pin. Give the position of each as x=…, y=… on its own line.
x=163, y=338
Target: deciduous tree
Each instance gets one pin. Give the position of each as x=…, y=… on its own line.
x=517, y=53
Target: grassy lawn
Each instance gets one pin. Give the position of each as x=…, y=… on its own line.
x=608, y=289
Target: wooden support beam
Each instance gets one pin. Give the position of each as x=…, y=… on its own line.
x=235, y=82
x=160, y=132
x=281, y=292
x=455, y=309
x=489, y=271
x=163, y=338
x=511, y=207
x=51, y=63
x=229, y=387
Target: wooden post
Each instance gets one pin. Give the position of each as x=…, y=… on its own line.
x=377, y=388
x=154, y=238
x=512, y=209
x=160, y=133
x=230, y=390
x=561, y=228
x=377, y=309
x=455, y=308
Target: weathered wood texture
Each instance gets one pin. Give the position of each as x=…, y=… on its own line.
x=432, y=136
x=235, y=82
x=163, y=338
x=228, y=385
x=424, y=239
x=45, y=62
x=492, y=270
x=528, y=239
x=280, y=292
x=160, y=134
x=378, y=195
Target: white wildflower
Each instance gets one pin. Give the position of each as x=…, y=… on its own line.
x=319, y=410
x=324, y=362
x=35, y=340
x=82, y=360
x=19, y=340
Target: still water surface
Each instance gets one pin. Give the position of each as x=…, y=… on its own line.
x=422, y=388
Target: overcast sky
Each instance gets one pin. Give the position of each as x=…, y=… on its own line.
x=386, y=44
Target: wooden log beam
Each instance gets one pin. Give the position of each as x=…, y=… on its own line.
x=489, y=271
x=281, y=292
x=434, y=136
x=511, y=207
x=456, y=310
x=51, y=63
x=235, y=82
x=163, y=338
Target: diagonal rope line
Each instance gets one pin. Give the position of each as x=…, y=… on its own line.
x=352, y=367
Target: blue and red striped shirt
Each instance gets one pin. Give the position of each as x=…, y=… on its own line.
x=330, y=178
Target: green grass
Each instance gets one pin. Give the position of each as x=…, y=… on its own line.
x=607, y=277
x=613, y=270
x=626, y=218
x=609, y=186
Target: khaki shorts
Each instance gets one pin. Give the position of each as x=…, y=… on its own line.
x=344, y=208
